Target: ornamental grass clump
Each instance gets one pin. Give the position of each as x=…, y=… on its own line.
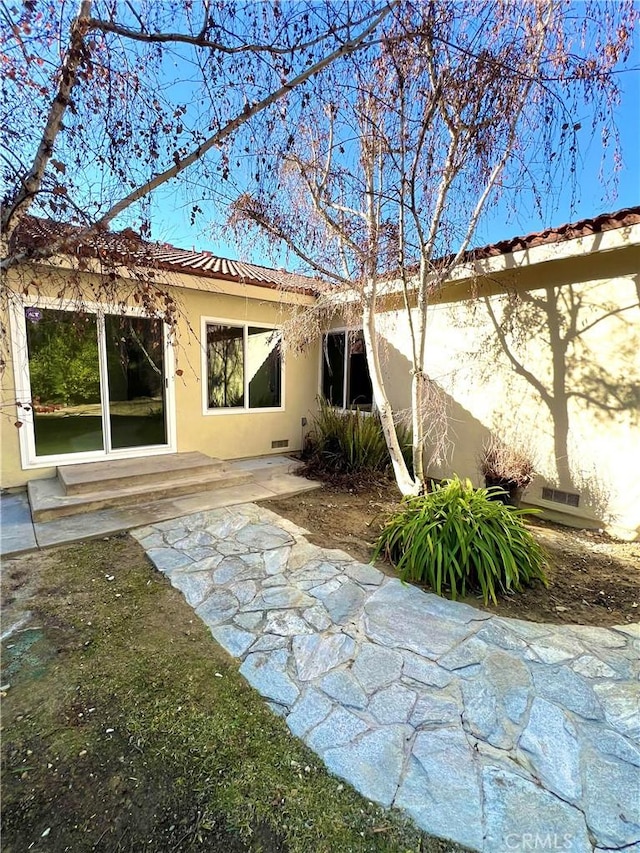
x=509, y=463
x=507, y=470
x=349, y=442
x=457, y=539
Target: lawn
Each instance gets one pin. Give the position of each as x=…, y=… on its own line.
x=127, y=728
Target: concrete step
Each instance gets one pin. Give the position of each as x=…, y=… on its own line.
x=124, y=473
x=106, y=522
x=49, y=501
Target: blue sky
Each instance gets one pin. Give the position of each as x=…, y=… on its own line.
x=170, y=207
x=595, y=194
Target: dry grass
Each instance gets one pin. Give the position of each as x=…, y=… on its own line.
x=127, y=728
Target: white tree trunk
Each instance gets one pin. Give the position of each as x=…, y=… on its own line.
x=417, y=426
x=17, y=209
x=406, y=484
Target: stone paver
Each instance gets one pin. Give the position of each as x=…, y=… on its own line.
x=271, y=476
x=495, y=733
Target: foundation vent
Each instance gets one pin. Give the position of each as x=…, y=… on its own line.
x=555, y=495
x=283, y=442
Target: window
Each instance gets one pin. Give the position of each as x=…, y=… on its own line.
x=345, y=374
x=244, y=367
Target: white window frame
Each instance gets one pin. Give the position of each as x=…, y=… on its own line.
x=22, y=378
x=344, y=330
x=238, y=410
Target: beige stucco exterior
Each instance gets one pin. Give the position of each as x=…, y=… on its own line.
x=573, y=403
x=225, y=434
x=585, y=439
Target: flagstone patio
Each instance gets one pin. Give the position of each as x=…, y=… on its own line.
x=496, y=733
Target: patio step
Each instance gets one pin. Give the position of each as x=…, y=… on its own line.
x=81, y=479
x=108, y=485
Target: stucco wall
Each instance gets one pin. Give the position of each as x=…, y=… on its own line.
x=227, y=435
x=584, y=291
x=577, y=345
x=231, y=435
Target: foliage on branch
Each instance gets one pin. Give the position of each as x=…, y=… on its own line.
x=105, y=103
x=382, y=188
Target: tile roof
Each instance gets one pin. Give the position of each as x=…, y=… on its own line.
x=128, y=246
x=583, y=228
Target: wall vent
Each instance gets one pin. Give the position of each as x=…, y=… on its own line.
x=283, y=442
x=555, y=495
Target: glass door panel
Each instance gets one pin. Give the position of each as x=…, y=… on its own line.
x=359, y=388
x=135, y=368
x=64, y=367
x=333, y=369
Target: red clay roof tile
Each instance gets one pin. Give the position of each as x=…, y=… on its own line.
x=35, y=232
x=128, y=246
x=570, y=231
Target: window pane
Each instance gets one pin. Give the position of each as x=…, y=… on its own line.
x=65, y=381
x=225, y=370
x=333, y=368
x=135, y=365
x=359, y=389
x=264, y=368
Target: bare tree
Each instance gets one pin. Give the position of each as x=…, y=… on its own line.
x=103, y=107
x=384, y=189
x=103, y=103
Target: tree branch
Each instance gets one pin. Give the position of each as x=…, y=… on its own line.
x=318, y=206
x=19, y=206
x=200, y=40
x=271, y=227
x=197, y=153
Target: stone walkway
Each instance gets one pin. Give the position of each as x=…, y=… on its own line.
x=498, y=734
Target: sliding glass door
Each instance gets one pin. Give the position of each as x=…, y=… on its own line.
x=136, y=381
x=64, y=368
x=97, y=381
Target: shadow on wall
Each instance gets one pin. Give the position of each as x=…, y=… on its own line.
x=466, y=434
x=585, y=358
x=561, y=364
x=467, y=437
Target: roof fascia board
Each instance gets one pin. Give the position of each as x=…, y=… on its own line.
x=188, y=281
x=589, y=244
x=486, y=273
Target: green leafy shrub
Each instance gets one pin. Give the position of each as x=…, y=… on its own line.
x=350, y=442
x=457, y=538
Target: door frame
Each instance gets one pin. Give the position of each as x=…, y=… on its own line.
x=20, y=352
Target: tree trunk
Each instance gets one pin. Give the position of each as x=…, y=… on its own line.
x=406, y=484
x=417, y=383
x=417, y=426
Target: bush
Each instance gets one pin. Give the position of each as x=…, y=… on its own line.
x=349, y=442
x=505, y=463
x=457, y=538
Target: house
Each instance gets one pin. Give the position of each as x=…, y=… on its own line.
x=535, y=339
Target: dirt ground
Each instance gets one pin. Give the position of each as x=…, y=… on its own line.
x=593, y=579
